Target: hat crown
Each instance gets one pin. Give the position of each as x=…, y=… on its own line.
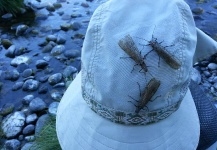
x=146, y=83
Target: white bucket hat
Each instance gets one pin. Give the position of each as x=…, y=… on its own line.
x=103, y=109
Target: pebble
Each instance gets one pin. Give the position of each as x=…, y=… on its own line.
x=27, y=146
x=30, y=85
x=40, y=123
x=27, y=99
x=30, y=138
x=69, y=71
x=65, y=26
x=44, y=79
x=85, y=5
x=21, y=67
x=6, y=43
x=37, y=105
x=76, y=26
x=12, y=124
x=11, y=51
x=50, y=7
x=31, y=118
x=51, y=38
x=71, y=53
x=212, y=66
x=17, y=86
x=12, y=75
x=29, y=129
x=55, y=78
x=198, y=10
x=27, y=73
x=52, y=109
x=43, y=89
x=12, y=144
x=7, y=16
x=19, y=60
x=57, y=50
x=47, y=48
x=60, y=39
x=56, y=95
x=21, y=29
x=41, y=64
x=6, y=109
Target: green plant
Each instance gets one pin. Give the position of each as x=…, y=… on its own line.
x=11, y=6
x=47, y=138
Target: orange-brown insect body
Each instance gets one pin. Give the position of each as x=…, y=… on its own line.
x=128, y=45
x=160, y=50
x=150, y=90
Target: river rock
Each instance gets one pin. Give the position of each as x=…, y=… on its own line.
x=76, y=26
x=71, y=53
x=60, y=39
x=27, y=146
x=6, y=43
x=37, y=105
x=21, y=67
x=56, y=95
x=43, y=89
x=19, y=60
x=30, y=85
x=50, y=7
x=11, y=75
x=11, y=51
x=27, y=99
x=61, y=84
x=43, y=79
x=41, y=64
x=20, y=51
x=68, y=71
x=52, y=109
x=57, y=5
x=27, y=73
x=212, y=66
x=31, y=118
x=17, y=86
x=55, y=78
x=76, y=15
x=57, y=50
x=7, y=16
x=65, y=26
x=29, y=129
x=12, y=124
x=85, y=5
x=12, y=144
x=44, y=119
x=51, y=38
x=21, y=29
x=197, y=10
x=30, y=138
x=7, y=109
x=47, y=48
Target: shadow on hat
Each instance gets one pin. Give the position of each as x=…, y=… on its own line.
x=130, y=94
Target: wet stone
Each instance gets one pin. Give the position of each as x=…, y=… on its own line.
x=27, y=99
x=21, y=67
x=56, y=95
x=41, y=64
x=57, y=5
x=12, y=144
x=65, y=26
x=76, y=15
x=27, y=73
x=57, y=50
x=212, y=66
x=198, y=10
x=43, y=79
x=30, y=85
x=47, y=48
x=7, y=16
x=17, y=86
x=6, y=43
x=27, y=146
x=12, y=124
x=76, y=26
x=72, y=53
x=60, y=39
x=39, y=16
x=21, y=51
x=55, y=78
x=19, y=60
x=7, y=109
x=66, y=17
x=30, y=138
x=31, y=118
x=52, y=109
x=12, y=75
x=51, y=38
x=50, y=7
x=62, y=84
x=40, y=123
x=37, y=105
x=85, y=5
x=10, y=52
x=43, y=89
x=68, y=71
x=29, y=129
x=21, y=29
x=43, y=43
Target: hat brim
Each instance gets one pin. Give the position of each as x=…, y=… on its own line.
x=80, y=128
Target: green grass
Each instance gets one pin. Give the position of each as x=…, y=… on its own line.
x=10, y=6
x=47, y=138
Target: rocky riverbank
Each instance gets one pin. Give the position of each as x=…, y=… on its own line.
x=40, y=56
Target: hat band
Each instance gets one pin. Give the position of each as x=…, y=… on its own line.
x=130, y=118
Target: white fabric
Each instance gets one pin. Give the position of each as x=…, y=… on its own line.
x=109, y=80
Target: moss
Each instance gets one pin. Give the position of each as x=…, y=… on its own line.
x=47, y=138
x=11, y=6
